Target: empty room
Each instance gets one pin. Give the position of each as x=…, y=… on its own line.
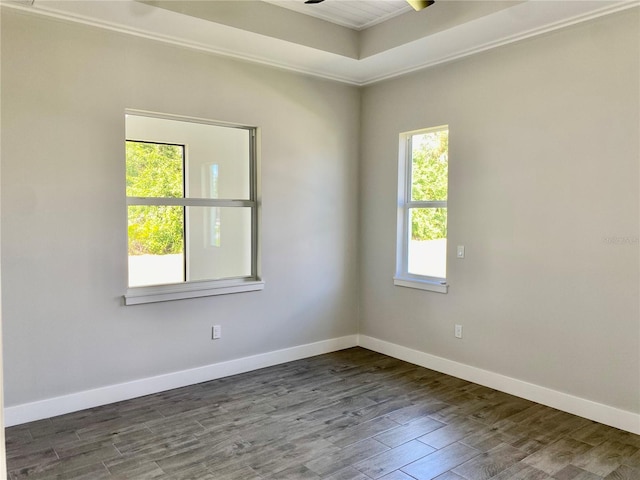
x=339, y=240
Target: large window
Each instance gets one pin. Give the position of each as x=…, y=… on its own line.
x=422, y=210
x=191, y=189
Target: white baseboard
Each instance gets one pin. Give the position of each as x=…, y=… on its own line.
x=597, y=412
x=51, y=407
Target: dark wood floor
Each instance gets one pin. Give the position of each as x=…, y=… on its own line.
x=349, y=415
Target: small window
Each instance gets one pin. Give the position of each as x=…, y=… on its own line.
x=191, y=189
x=422, y=210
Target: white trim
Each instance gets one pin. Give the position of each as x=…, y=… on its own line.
x=3, y=453
x=180, y=291
x=73, y=402
x=171, y=28
x=522, y=21
x=136, y=295
x=499, y=29
x=50, y=407
x=421, y=285
x=582, y=407
x=404, y=278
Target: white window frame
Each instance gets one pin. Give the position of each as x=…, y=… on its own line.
x=203, y=288
x=403, y=278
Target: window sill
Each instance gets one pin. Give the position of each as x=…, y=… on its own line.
x=179, y=291
x=421, y=284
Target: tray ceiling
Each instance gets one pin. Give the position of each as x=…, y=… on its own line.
x=260, y=32
x=356, y=14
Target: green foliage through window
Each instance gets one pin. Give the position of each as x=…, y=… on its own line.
x=429, y=179
x=155, y=170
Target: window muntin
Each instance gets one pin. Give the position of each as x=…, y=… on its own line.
x=192, y=207
x=422, y=213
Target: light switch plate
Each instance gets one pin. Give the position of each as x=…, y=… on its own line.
x=458, y=331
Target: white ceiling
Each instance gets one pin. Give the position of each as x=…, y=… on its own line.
x=355, y=14
x=444, y=32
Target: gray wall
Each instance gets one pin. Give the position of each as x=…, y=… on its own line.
x=65, y=88
x=544, y=194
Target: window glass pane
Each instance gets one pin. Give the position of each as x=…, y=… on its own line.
x=427, y=248
x=226, y=148
x=156, y=245
x=218, y=166
x=154, y=170
x=429, y=164
x=219, y=242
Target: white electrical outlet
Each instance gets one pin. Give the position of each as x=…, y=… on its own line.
x=216, y=332
x=458, y=331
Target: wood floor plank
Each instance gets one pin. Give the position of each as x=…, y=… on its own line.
x=86, y=465
x=393, y=459
x=347, y=415
x=361, y=431
x=440, y=461
x=605, y=458
x=454, y=431
x=571, y=472
x=558, y=455
x=409, y=431
x=349, y=455
x=234, y=472
x=271, y=459
x=522, y=471
x=298, y=472
x=624, y=472
x=397, y=475
x=449, y=476
x=491, y=463
x=348, y=473
x=418, y=408
x=633, y=460
x=134, y=468
x=32, y=457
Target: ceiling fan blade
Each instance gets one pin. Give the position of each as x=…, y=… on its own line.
x=416, y=4
x=420, y=4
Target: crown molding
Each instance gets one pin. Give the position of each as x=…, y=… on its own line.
x=523, y=20
x=520, y=22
